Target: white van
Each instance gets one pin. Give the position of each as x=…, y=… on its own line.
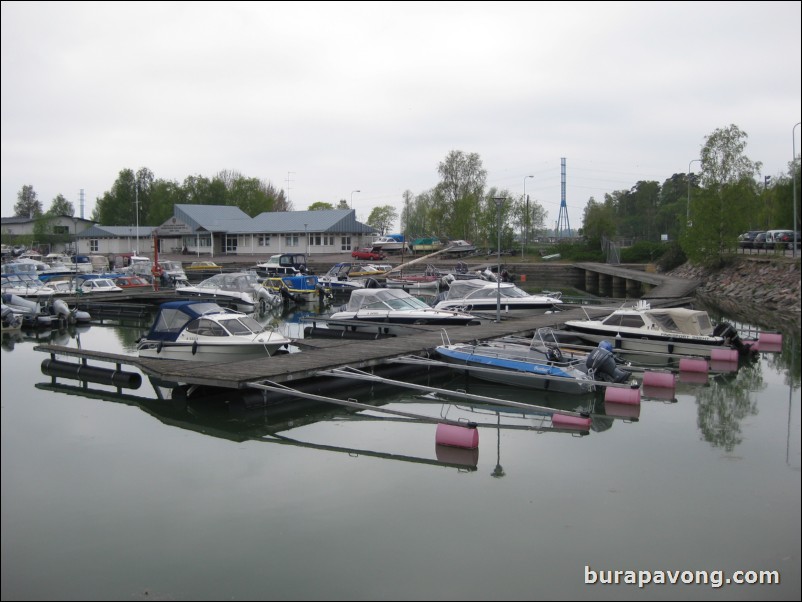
x=772, y=238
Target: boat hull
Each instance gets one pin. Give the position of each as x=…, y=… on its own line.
x=205, y=352
x=531, y=374
x=677, y=345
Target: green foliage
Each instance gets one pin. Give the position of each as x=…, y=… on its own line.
x=320, y=206
x=672, y=257
x=381, y=218
x=156, y=198
x=642, y=252
x=61, y=206
x=28, y=204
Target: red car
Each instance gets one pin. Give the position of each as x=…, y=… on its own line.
x=367, y=253
x=132, y=282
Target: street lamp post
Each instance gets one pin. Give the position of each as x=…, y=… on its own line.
x=499, y=202
x=306, y=236
x=688, y=206
x=793, y=167
x=136, y=205
x=352, y=197
x=526, y=219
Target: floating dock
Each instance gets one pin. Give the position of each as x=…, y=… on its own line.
x=318, y=355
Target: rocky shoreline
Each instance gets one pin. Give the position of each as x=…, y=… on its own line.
x=750, y=287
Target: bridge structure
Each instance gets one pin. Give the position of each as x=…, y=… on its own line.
x=615, y=281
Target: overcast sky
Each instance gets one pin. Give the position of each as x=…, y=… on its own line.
x=328, y=98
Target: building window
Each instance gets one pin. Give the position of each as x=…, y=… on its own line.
x=61, y=229
x=264, y=240
x=292, y=240
x=345, y=243
x=231, y=243
x=321, y=240
x=93, y=245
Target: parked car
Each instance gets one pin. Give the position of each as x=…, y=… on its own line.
x=132, y=282
x=773, y=238
x=760, y=241
x=367, y=253
x=786, y=238
x=746, y=240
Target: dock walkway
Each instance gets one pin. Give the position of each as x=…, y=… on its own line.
x=322, y=354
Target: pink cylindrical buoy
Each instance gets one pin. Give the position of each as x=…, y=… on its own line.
x=696, y=378
x=663, y=380
x=770, y=338
x=724, y=355
x=571, y=422
x=622, y=395
x=457, y=436
x=720, y=366
x=456, y=455
x=687, y=364
x=622, y=410
x=661, y=393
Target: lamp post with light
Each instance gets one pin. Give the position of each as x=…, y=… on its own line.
x=688, y=206
x=352, y=197
x=136, y=205
x=526, y=218
x=499, y=202
x=793, y=167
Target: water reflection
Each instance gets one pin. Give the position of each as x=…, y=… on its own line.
x=724, y=400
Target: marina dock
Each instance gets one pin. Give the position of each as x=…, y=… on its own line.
x=319, y=355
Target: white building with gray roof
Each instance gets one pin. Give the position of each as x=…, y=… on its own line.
x=226, y=230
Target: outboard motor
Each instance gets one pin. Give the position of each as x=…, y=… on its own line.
x=728, y=332
x=601, y=362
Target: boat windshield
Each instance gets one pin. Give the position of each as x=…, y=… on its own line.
x=513, y=291
x=406, y=303
x=244, y=325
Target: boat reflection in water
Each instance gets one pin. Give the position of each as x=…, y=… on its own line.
x=268, y=417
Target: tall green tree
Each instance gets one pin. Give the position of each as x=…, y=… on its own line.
x=599, y=220
x=382, y=218
x=459, y=194
x=117, y=207
x=720, y=211
x=28, y=204
x=61, y=206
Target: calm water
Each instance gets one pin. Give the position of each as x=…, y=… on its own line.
x=133, y=496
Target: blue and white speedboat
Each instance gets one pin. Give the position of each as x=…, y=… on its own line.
x=204, y=331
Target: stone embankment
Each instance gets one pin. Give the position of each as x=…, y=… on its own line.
x=750, y=285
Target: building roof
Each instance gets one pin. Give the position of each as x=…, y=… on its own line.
x=116, y=232
x=227, y=219
x=325, y=220
x=232, y=220
x=213, y=218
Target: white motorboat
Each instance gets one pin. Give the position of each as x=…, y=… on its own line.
x=390, y=244
x=204, y=331
x=674, y=330
x=481, y=295
x=239, y=289
x=387, y=307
